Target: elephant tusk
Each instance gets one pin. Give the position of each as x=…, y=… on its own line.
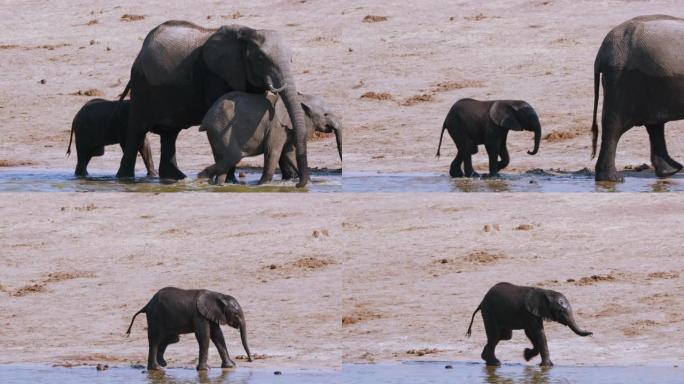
x=276, y=90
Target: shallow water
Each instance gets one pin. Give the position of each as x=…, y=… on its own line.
x=531, y=181
x=62, y=180
x=390, y=373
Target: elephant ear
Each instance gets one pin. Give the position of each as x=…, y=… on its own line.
x=210, y=306
x=503, y=115
x=537, y=303
x=223, y=56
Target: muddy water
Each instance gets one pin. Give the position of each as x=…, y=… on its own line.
x=41, y=180
x=531, y=181
x=435, y=372
x=390, y=373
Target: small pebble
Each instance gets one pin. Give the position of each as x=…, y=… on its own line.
x=277, y=373
x=448, y=367
x=102, y=367
x=43, y=81
x=242, y=175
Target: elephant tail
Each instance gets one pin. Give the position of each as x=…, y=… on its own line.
x=125, y=91
x=594, y=124
x=71, y=137
x=468, y=332
x=439, y=146
x=143, y=310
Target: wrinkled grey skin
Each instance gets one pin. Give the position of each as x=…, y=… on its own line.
x=242, y=124
x=173, y=311
x=471, y=123
x=100, y=123
x=506, y=307
x=643, y=84
x=182, y=69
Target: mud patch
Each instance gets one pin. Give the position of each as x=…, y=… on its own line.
x=53, y=277
x=662, y=275
x=639, y=326
x=127, y=17
x=637, y=168
x=483, y=257
x=88, y=92
x=311, y=263
x=524, y=227
x=452, y=85
x=413, y=100
x=557, y=136
x=593, y=279
x=374, y=19
x=360, y=313
x=15, y=163
x=382, y=96
x=422, y=351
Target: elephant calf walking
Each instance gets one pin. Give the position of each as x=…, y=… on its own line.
x=472, y=122
x=506, y=307
x=243, y=124
x=100, y=123
x=174, y=311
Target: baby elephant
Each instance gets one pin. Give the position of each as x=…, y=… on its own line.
x=174, y=311
x=507, y=307
x=243, y=124
x=472, y=122
x=100, y=123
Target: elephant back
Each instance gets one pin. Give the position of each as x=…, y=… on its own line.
x=169, y=53
x=658, y=47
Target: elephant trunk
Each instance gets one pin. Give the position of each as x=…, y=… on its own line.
x=572, y=324
x=243, y=337
x=296, y=112
x=537, y=138
x=338, y=138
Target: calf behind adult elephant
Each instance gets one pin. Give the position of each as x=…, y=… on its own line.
x=182, y=69
x=173, y=311
x=506, y=307
x=643, y=84
x=100, y=123
x=242, y=124
x=472, y=122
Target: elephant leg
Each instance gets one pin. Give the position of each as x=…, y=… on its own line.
x=168, y=168
x=135, y=136
x=154, y=340
x=529, y=353
x=664, y=165
x=493, y=334
x=455, y=169
x=162, y=348
x=288, y=162
x=505, y=334
x=220, y=343
x=230, y=176
x=271, y=157
x=493, y=154
x=146, y=154
x=202, y=334
x=605, y=165
x=538, y=339
x=82, y=163
x=503, y=153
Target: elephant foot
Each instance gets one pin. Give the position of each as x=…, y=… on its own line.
x=228, y=364
x=125, y=173
x=493, y=363
x=529, y=353
x=665, y=167
x=455, y=173
x=202, y=367
x=546, y=363
x=156, y=367
x=162, y=363
x=152, y=174
x=171, y=172
x=613, y=176
x=491, y=176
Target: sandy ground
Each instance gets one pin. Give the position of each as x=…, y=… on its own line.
x=417, y=266
x=437, y=50
x=76, y=267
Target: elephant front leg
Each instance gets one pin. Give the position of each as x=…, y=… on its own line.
x=664, y=165
x=162, y=348
x=167, y=162
x=220, y=343
x=202, y=335
x=503, y=154
x=493, y=154
x=288, y=162
x=271, y=157
x=146, y=154
x=538, y=339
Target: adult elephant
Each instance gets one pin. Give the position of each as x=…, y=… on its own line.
x=643, y=84
x=182, y=69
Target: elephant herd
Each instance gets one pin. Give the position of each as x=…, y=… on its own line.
x=237, y=83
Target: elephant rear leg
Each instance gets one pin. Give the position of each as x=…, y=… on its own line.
x=493, y=335
x=82, y=164
x=288, y=162
x=664, y=165
x=455, y=169
x=162, y=348
x=605, y=165
x=154, y=341
x=503, y=154
x=168, y=168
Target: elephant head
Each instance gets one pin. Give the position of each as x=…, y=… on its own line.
x=320, y=118
x=248, y=60
x=223, y=309
x=517, y=115
x=552, y=305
